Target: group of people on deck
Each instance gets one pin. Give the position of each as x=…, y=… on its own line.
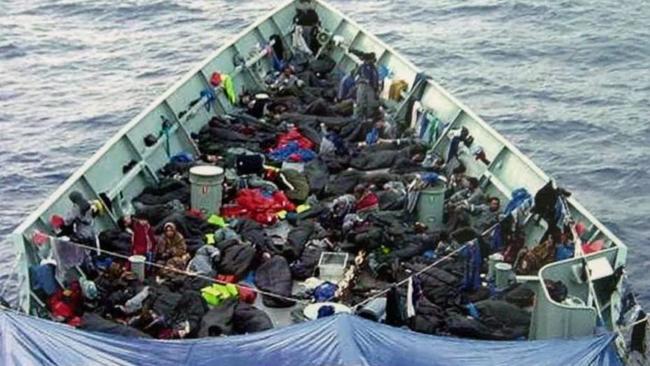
x=314, y=162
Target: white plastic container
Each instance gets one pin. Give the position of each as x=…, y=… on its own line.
x=331, y=266
x=137, y=265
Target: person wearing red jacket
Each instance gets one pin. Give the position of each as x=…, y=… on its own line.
x=143, y=239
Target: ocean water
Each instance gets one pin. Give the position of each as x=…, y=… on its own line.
x=566, y=81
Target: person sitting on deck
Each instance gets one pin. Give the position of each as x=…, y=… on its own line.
x=474, y=220
x=530, y=261
x=564, y=247
x=485, y=216
x=471, y=195
x=457, y=181
x=287, y=80
x=171, y=245
x=387, y=132
x=256, y=105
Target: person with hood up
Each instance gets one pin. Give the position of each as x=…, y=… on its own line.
x=367, y=82
x=171, y=245
x=80, y=219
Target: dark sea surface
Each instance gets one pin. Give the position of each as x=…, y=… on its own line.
x=567, y=81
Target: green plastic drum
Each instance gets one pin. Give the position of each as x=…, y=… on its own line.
x=430, y=207
x=504, y=275
x=207, y=186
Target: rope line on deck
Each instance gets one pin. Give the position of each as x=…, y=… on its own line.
x=270, y=294
x=184, y=272
x=399, y=283
x=384, y=291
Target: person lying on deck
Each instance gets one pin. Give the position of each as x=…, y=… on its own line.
x=289, y=84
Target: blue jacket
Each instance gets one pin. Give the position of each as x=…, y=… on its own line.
x=346, y=88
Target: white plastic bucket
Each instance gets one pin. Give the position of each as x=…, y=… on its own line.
x=137, y=265
x=331, y=266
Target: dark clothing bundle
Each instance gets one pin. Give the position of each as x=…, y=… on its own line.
x=233, y=317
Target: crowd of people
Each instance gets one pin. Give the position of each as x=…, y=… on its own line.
x=314, y=163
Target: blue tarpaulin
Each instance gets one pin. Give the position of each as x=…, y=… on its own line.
x=335, y=340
